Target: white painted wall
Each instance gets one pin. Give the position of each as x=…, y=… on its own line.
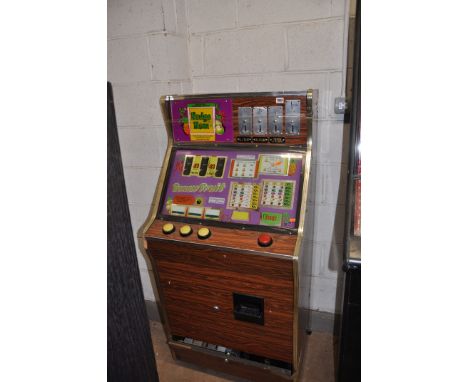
x=162, y=46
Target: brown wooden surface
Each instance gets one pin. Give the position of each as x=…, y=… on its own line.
x=194, y=280
x=232, y=366
x=301, y=138
x=237, y=239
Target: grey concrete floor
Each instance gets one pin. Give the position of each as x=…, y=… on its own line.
x=318, y=363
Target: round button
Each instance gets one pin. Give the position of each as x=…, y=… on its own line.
x=204, y=233
x=168, y=228
x=264, y=240
x=185, y=230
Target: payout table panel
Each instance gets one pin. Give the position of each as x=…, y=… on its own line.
x=233, y=186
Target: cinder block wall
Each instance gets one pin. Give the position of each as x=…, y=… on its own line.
x=162, y=46
x=147, y=57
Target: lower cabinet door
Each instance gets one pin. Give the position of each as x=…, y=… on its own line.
x=218, y=298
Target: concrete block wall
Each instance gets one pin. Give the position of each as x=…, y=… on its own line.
x=147, y=58
x=268, y=45
x=159, y=47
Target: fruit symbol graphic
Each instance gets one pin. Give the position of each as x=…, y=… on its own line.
x=292, y=167
x=179, y=166
x=184, y=120
x=168, y=204
x=219, y=128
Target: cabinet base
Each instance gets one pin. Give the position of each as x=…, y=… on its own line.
x=250, y=370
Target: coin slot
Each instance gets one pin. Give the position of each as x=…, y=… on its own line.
x=248, y=308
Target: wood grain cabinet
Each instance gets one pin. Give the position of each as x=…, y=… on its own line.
x=224, y=235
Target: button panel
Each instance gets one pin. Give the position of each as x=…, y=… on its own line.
x=186, y=230
x=203, y=233
x=224, y=237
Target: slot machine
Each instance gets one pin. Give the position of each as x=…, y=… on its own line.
x=225, y=230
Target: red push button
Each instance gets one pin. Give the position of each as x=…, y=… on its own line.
x=264, y=240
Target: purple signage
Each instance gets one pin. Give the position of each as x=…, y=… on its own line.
x=254, y=187
x=202, y=120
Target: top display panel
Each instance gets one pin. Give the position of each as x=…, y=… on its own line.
x=245, y=187
x=241, y=119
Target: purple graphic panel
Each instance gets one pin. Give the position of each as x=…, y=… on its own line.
x=255, y=187
x=202, y=120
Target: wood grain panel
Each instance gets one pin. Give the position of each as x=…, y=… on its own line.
x=236, y=367
x=245, y=282
x=194, y=280
x=219, y=258
x=238, y=239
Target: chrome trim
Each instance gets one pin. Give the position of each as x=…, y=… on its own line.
x=238, y=95
x=300, y=230
x=164, y=102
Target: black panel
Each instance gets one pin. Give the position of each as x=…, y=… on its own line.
x=130, y=355
x=350, y=344
x=354, y=296
x=248, y=308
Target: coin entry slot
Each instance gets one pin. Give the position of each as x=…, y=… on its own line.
x=245, y=120
x=248, y=308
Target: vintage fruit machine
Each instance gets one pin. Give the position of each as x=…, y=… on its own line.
x=225, y=231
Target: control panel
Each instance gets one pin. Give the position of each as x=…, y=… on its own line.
x=197, y=233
